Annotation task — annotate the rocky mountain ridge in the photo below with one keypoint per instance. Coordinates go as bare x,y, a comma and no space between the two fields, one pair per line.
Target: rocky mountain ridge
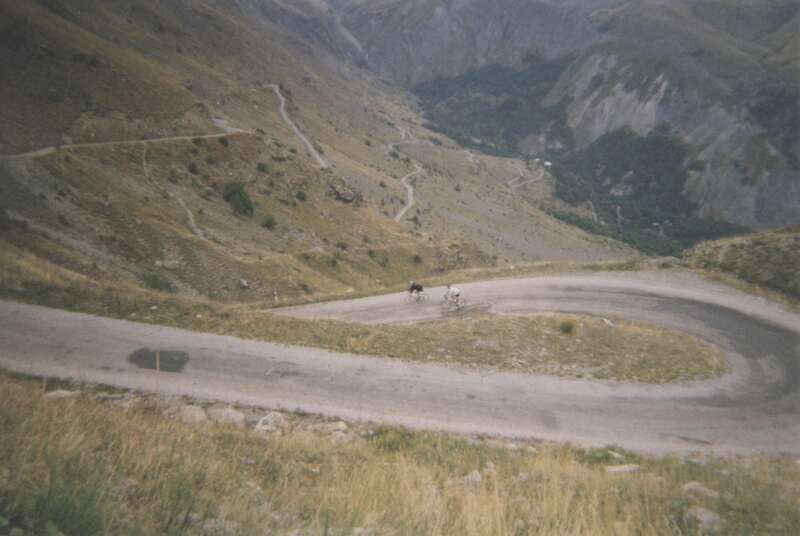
722,75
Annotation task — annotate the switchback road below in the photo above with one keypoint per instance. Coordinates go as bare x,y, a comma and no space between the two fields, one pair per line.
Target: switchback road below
755,408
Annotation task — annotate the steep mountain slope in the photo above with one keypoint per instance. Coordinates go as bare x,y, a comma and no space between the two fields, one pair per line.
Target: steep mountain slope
549,78
144,145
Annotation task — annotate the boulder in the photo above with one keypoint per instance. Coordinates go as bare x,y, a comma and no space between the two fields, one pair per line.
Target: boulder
474,478
192,414
342,192
227,416
271,423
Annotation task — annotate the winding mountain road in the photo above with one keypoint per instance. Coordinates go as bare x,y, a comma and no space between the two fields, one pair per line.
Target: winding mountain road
50,150
288,120
755,408
407,139
409,191
517,182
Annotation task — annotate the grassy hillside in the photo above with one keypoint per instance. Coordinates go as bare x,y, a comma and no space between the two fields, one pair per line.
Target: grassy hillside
114,462
242,216
770,259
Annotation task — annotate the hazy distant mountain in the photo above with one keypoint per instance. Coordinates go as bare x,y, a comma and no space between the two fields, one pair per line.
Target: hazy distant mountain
552,77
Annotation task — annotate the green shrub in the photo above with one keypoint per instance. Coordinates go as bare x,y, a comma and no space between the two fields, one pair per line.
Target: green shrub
269,222
567,327
385,439
236,195
158,282
417,259
173,177
380,258
262,167
300,195
193,169
224,141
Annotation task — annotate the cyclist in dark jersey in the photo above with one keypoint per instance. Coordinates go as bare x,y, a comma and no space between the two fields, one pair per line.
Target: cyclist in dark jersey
415,288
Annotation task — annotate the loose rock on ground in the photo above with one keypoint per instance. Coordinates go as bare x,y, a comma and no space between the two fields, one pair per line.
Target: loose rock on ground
227,416
706,520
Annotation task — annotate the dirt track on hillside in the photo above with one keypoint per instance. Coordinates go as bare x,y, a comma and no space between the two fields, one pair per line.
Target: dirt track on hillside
756,408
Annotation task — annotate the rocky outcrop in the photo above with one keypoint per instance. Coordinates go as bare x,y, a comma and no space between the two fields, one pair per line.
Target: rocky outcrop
342,192
412,42
739,174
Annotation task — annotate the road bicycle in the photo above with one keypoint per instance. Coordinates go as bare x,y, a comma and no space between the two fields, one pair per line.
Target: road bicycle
416,297
453,302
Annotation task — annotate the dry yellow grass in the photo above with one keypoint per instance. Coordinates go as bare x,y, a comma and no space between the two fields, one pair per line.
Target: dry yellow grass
566,345
86,467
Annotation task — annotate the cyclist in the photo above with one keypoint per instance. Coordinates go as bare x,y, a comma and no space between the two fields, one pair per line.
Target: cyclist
452,295
415,289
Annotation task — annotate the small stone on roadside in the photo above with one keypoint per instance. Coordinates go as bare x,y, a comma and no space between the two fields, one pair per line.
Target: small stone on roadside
61,394
192,415
616,469
227,416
